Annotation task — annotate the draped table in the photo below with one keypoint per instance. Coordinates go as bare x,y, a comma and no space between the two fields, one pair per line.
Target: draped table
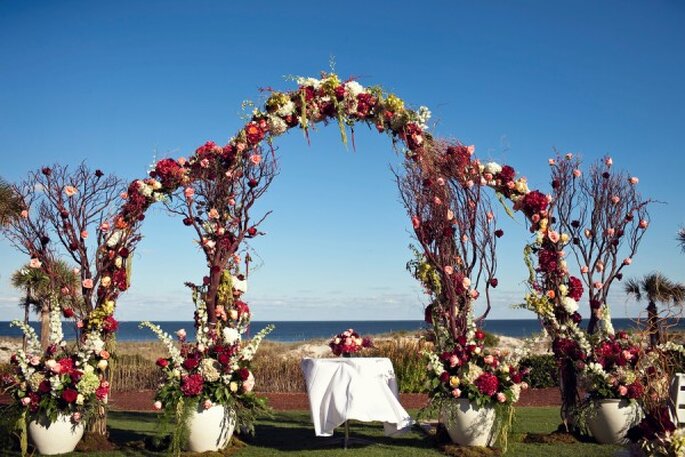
363,389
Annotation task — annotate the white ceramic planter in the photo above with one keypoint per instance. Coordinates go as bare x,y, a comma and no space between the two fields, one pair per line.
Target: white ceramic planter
57,437
610,421
210,429
469,424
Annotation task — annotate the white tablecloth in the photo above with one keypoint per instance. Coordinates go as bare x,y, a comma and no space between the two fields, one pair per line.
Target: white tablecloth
364,389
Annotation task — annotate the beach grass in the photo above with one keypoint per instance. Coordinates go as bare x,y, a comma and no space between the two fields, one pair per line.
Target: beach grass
292,433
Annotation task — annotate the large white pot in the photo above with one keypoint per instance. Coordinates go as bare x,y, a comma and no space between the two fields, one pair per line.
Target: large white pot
57,437
468,424
210,429
611,419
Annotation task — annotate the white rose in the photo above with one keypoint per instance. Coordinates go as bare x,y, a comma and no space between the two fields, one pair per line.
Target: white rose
102,365
354,89
239,285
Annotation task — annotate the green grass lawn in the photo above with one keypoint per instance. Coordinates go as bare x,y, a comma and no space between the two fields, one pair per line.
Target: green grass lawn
292,434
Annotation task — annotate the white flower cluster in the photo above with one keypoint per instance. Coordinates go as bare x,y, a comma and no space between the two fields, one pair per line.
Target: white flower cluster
32,342
434,363
423,114
250,349
596,369
670,346
166,339
55,325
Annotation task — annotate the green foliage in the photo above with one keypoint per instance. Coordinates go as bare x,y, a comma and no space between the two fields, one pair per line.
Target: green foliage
491,340
543,371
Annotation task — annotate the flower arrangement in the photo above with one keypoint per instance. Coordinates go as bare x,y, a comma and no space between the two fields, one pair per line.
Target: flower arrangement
349,342
613,369
658,436
476,373
214,369
62,380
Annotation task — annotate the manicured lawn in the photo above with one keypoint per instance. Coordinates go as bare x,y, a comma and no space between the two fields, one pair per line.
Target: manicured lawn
292,434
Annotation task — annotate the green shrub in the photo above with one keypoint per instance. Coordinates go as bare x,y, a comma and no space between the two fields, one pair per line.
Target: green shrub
543,371
491,340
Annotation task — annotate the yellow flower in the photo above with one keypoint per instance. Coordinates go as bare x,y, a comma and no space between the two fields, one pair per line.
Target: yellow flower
454,381
394,103
233,386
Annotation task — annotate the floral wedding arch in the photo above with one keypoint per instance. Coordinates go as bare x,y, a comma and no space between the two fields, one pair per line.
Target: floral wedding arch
443,188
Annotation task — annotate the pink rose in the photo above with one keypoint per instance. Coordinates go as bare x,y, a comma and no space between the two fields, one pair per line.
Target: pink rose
24,213
466,282
608,161
553,236
35,263
622,391
213,213
633,180
448,269
643,224
441,181
70,191
255,159
489,359
188,192
84,234
26,401
454,361
552,162
157,405
597,285
249,383
577,173
501,397
627,261
181,334
584,269
104,227
456,393
207,404
615,199
204,163
87,283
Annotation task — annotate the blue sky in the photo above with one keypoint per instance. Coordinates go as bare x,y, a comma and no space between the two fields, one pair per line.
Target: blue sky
117,83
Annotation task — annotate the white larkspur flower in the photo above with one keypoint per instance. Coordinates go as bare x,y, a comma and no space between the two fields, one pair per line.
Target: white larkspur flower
422,116
308,82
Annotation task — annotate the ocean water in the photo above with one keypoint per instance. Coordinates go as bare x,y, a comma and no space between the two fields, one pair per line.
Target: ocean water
291,331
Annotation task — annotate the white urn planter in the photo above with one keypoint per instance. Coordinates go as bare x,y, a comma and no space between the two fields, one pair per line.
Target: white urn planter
210,429
612,418
468,424
57,437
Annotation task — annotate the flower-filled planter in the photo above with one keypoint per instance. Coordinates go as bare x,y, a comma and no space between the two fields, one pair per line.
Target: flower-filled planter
57,436
610,419
348,342
210,429
469,424
473,390
59,388
614,379
207,387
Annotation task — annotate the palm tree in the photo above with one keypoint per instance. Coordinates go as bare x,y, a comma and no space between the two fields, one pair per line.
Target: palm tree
40,291
656,288
681,238
10,204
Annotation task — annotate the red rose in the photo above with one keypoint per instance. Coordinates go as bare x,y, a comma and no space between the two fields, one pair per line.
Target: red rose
44,387
102,392
243,374
444,376
253,133
487,384
635,390
68,312
480,335
67,366
190,363
192,385
162,363
169,172
69,395
548,260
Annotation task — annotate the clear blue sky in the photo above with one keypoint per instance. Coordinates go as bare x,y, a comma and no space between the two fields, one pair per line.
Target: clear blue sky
115,82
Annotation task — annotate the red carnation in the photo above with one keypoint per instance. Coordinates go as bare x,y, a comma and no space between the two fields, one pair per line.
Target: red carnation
69,395
192,385
575,288
67,366
110,325
534,202
365,103
162,363
169,172
487,384
224,358
507,174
